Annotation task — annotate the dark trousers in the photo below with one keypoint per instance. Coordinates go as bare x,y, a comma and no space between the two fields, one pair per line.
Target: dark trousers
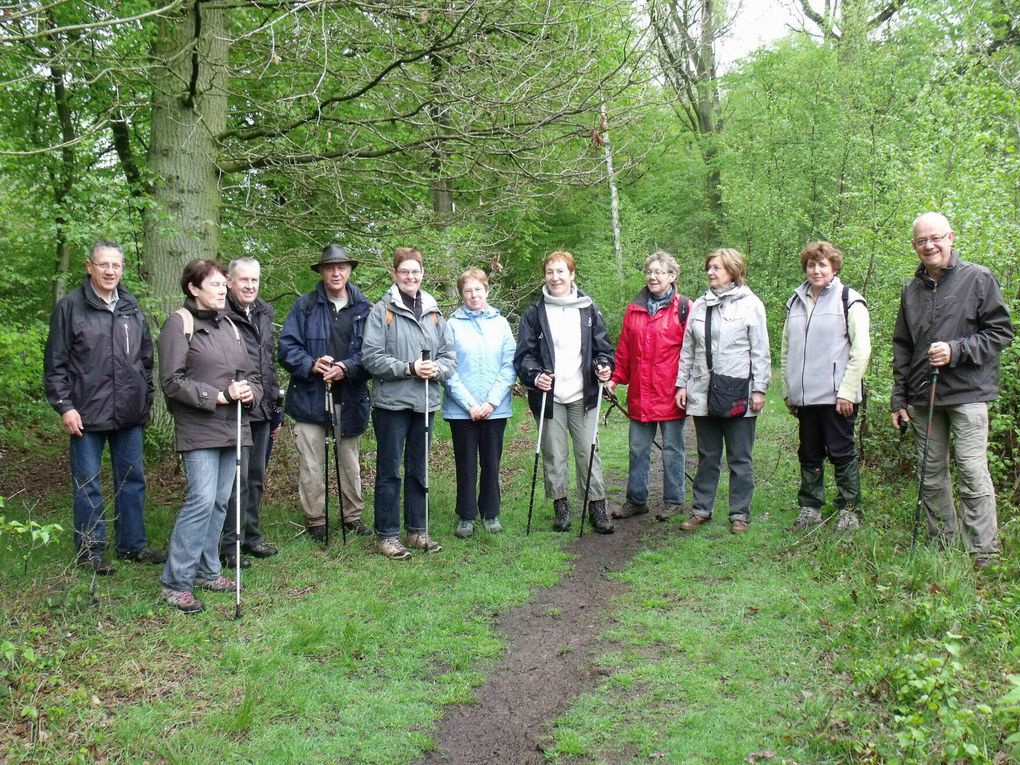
737,434
477,445
253,476
825,433
400,436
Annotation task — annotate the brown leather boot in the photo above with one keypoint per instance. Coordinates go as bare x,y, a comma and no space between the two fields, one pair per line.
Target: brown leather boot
693,521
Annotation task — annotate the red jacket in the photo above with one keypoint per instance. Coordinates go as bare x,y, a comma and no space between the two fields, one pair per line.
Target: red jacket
647,359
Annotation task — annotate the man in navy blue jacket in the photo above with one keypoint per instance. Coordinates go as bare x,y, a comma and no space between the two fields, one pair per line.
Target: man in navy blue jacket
321,343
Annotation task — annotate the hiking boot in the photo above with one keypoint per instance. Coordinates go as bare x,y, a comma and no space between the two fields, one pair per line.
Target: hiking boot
809,517
464,529
98,566
492,525
738,527
693,521
985,560
630,509
219,584
392,548
419,540
358,528
599,518
848,521
318,533
182,601
229,560
562,510
145,555
668,511
260,550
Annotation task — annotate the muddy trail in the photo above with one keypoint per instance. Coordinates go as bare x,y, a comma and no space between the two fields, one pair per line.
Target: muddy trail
551,644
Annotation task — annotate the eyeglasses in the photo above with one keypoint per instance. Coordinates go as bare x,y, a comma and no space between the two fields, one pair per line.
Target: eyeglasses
921,241
406,272
108,266
656,273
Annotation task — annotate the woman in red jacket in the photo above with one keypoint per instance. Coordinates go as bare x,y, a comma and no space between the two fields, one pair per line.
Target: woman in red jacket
647,358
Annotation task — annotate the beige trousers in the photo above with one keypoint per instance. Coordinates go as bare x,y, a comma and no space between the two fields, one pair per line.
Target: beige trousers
310,439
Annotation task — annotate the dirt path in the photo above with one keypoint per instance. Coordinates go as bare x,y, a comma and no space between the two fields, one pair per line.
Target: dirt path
551,642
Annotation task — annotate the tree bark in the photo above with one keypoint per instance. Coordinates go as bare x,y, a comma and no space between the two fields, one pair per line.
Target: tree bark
189,109
63,182
614,196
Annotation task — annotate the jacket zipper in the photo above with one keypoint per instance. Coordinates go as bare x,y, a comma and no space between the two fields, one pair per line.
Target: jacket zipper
127,341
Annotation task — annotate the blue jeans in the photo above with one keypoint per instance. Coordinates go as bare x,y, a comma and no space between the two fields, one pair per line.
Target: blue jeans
737,433
195,541
400,435
673,460
86,455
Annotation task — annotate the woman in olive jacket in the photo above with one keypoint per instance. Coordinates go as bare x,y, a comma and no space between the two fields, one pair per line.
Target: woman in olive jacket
204,370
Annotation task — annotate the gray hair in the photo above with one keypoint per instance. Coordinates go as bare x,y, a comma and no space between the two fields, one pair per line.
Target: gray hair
245,261
104,244
667,260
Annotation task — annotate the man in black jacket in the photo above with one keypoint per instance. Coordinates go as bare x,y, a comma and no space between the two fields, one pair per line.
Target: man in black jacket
952,320
254,319
98,376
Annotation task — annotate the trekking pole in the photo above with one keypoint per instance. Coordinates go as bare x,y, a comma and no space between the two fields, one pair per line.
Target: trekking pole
336,421
426,354
932,380
238,376
538,450
591,458
328,405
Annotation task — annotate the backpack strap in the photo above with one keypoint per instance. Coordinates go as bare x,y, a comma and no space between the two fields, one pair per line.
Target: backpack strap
434,315
188,321
846,307
684,309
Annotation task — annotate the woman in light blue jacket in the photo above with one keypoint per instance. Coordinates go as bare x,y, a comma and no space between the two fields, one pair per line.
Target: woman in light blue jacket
477,401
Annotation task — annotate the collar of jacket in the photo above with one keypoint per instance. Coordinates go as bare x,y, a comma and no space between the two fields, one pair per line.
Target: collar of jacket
428,303
235,311
126,302
922,273
463,312
203,313
736,293
804,289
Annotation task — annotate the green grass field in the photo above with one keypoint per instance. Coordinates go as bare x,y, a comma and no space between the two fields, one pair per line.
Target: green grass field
764,648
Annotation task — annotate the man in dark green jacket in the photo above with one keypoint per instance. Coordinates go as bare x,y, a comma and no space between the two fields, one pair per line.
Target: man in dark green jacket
953,321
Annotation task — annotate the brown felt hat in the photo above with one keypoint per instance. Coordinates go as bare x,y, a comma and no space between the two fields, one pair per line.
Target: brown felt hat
333,254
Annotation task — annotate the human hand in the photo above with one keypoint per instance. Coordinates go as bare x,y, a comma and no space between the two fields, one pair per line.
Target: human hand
844,407
939,354
681,398
757,401
322,365
900,419
337,371
426,369
603,372
72,422
610,387
544,381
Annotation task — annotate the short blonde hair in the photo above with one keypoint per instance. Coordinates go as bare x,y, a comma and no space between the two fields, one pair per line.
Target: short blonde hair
667,260
472,273
733,261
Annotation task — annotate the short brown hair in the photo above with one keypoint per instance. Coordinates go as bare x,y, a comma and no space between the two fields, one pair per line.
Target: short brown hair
733,261
197,271
402,254
563,255
472,273
821,251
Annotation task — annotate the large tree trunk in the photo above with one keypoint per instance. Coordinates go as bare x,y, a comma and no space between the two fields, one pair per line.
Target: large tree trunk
189,111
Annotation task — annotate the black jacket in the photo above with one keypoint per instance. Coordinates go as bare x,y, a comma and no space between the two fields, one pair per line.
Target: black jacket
965,309
535,353
99,362
256,328
308,334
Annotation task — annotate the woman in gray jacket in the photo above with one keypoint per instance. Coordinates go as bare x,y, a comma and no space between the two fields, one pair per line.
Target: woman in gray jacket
200,355
401,327
740,348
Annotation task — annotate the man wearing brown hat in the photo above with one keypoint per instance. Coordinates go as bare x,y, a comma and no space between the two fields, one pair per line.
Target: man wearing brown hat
321,343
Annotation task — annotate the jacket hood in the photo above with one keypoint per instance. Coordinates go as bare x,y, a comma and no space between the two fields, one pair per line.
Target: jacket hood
463,312
737,293
428,303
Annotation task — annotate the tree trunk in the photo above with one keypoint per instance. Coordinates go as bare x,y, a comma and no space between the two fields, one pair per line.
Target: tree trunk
189,111
63,182
614,196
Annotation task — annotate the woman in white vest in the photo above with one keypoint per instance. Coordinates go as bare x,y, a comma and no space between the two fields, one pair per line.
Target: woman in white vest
826,347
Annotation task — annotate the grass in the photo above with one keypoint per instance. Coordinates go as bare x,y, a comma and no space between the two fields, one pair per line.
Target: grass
722,649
